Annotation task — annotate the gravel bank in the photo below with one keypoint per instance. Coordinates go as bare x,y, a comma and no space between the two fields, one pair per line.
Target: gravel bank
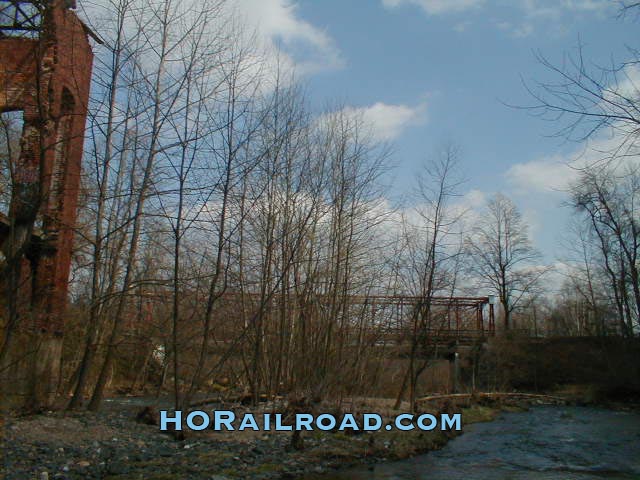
112,445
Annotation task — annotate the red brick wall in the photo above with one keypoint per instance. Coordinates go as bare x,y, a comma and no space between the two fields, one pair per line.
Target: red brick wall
33,76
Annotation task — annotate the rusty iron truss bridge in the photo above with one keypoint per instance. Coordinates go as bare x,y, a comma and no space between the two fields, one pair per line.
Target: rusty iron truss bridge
385,319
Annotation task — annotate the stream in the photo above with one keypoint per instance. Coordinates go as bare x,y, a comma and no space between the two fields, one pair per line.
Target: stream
545,443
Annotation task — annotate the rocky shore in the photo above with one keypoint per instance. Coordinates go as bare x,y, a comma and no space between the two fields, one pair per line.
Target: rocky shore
112,445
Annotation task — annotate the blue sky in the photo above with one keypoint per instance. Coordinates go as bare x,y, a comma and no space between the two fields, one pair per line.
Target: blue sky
431,71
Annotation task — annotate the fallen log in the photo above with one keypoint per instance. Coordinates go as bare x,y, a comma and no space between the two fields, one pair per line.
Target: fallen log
490,395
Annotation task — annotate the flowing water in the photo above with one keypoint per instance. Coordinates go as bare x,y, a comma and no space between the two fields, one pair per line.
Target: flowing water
545,443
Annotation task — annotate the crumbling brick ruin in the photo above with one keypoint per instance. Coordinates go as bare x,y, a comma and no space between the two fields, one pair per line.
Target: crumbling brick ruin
45,70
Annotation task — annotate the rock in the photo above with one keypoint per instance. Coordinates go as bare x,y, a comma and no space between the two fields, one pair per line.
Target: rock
148,415
117,468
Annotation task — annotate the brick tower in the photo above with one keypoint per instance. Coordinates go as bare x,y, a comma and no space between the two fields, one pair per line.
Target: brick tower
45,72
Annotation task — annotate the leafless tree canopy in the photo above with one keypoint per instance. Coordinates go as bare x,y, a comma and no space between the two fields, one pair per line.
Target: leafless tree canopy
230,238
502,255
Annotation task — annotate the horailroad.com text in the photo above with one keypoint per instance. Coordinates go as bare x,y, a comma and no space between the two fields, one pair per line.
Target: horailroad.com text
226,420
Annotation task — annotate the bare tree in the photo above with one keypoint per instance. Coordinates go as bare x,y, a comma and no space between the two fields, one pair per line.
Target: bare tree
432,246
105,132
588,280
629,8
164,84
585,99
501,254
606,196
10,132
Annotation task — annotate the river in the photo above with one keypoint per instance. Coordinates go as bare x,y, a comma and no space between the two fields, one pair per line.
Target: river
545,443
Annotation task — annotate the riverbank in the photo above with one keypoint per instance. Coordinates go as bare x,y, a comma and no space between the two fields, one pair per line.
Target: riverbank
112,445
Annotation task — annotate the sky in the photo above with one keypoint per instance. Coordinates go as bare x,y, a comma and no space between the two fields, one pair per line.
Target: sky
428,72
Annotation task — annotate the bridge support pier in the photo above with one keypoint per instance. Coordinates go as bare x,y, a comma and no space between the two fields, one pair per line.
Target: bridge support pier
455,372
45,73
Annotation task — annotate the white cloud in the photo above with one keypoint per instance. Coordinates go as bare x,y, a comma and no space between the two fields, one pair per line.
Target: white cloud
556,276
277,23
470,207
474,199
620,144
382,121
462,26
523,30
532,8
271,33
388,122
533,220
435,7
542,175
517,30
627,86
557,172
556,11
